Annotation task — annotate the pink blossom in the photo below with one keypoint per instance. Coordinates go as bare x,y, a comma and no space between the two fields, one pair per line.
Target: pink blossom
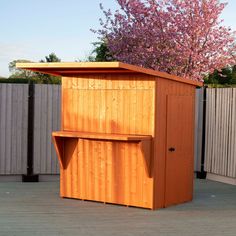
181,37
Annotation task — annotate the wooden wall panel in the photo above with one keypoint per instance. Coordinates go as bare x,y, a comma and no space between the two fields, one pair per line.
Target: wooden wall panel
13,128
164,88
115,105
109,106
179,162
47,118
108,171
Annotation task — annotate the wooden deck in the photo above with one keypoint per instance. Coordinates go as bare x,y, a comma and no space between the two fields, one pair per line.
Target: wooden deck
36,209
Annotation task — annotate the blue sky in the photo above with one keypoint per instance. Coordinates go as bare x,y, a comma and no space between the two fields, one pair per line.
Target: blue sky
31,29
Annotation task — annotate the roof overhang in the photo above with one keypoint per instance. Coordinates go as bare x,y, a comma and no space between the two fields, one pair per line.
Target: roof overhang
73,69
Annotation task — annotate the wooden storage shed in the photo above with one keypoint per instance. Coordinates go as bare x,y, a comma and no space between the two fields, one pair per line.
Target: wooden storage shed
127,133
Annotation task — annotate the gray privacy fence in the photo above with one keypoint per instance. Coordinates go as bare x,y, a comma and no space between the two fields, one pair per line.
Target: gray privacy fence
220,142
13,128
219,145
46,119
14,111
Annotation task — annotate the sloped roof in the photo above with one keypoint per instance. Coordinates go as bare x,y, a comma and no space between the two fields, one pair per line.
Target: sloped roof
72,69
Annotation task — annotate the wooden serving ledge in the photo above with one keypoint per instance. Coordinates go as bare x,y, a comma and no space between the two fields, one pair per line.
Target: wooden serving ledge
144,142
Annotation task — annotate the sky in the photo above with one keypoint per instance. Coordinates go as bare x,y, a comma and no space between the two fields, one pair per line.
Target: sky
32,29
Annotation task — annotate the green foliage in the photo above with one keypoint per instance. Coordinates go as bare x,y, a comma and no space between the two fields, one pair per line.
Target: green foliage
100,53
233,77
224,78
49,79
15,80
19,73
52,57
221,85
36,77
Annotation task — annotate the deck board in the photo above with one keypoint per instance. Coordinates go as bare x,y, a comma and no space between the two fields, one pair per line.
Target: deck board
36,209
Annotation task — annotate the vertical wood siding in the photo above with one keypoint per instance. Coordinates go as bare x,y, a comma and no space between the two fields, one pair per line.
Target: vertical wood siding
46,119
108,171
164,88
220,149
13,128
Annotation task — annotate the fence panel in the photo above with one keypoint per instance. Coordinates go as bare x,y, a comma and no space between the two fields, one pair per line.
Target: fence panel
46,119
14,122
220,150
13,128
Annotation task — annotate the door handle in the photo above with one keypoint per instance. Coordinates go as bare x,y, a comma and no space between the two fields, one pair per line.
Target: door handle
171,149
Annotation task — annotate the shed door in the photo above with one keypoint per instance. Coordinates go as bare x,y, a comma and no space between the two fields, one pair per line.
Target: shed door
179,149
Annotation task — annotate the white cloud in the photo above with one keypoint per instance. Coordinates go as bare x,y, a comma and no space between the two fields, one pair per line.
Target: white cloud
68,49
10,52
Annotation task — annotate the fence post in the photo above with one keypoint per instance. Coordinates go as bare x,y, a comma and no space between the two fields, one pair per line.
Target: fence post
202,174
30,177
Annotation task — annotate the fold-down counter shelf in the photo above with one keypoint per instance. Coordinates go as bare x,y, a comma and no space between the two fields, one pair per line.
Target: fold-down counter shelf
127,133
101,136
143,141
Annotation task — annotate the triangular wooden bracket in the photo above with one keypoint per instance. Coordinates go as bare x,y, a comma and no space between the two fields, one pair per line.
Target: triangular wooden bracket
61,137
145,147
59,143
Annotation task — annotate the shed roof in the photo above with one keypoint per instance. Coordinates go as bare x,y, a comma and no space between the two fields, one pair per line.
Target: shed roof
72,69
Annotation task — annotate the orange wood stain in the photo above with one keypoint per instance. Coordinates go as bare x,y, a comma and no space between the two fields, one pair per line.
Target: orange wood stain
118,123
164,89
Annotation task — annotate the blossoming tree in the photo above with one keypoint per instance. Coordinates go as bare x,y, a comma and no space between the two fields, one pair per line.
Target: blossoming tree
182,37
